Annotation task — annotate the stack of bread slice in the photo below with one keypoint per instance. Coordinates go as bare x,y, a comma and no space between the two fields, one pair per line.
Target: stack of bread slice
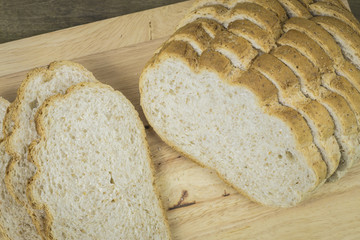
265,92
75,162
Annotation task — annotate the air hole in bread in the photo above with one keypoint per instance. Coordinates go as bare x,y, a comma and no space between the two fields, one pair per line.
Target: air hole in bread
111,178
290,155
108,116
34,104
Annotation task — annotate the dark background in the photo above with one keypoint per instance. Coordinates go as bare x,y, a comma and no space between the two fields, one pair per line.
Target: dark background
25,18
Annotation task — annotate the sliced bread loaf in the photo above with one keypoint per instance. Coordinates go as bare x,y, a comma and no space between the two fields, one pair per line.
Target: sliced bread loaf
260,147
40,84
15,222
195,97
94,176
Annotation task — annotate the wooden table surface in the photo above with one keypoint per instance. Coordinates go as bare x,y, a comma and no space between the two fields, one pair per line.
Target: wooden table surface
198,204
25,18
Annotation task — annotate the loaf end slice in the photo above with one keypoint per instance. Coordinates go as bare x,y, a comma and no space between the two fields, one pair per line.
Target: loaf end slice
95,177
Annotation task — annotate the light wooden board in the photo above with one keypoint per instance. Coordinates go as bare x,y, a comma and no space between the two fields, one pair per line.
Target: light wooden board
199,205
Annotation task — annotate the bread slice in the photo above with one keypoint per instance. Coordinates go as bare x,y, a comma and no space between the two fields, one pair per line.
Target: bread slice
295,9
344,116
256,13
318,34
233,125
4,104
325,9
344,35
316,115
308,48
95,177
310,79
343,67
15,222
39,85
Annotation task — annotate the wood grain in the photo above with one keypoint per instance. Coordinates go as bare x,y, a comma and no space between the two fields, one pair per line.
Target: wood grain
91,38
199,205
26,18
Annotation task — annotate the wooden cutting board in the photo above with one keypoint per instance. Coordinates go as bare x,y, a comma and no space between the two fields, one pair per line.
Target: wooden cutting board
198,204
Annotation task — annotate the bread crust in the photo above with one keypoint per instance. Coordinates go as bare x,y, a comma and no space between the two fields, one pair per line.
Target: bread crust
317,33
258,14
344,33
271,5
295,8
309,48
325,9
251,31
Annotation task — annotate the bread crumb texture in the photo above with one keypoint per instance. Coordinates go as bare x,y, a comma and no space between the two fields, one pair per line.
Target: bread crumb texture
94,173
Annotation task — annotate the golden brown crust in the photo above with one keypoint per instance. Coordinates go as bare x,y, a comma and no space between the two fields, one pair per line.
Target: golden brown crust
330,10
214,12
257,14
313,83
193,33
179,48
342,31
252,32
347,91
309,75
311,78
274,6
308,48
271,5
215,61
337,3
318,34
239,47
295,8
351,73
281,75
289,88
304,137
342,110
266,92
306,3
